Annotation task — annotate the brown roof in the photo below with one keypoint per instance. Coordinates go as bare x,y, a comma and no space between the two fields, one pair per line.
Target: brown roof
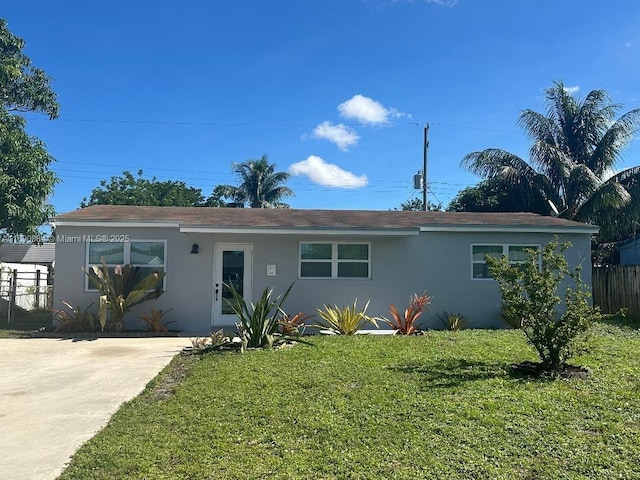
311,219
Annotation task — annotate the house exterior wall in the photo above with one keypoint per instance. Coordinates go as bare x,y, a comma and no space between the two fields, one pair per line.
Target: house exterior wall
436,262
630,252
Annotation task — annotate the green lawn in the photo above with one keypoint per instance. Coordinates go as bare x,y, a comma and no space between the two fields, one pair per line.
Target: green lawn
437,406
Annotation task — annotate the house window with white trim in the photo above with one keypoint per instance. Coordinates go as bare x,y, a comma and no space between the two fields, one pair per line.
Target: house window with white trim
147,255
516,254
334,260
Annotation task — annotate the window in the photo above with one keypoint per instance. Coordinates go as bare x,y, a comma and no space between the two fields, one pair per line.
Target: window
334,260
148,255
515,253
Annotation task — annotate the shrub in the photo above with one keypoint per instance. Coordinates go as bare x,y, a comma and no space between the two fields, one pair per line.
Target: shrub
530,299
121,290
405,324
154,323
258,323
293,325
346,320
212,342
453,321
75,319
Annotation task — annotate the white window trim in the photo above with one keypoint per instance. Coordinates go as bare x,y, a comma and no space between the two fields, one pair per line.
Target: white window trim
127,258
333,260
505,252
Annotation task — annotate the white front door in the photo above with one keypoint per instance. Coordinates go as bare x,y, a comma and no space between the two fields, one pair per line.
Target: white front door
232,266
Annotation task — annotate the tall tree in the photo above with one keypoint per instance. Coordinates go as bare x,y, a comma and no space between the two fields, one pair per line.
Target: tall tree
260,185
416,205
575,149
494,195
25,179
129,190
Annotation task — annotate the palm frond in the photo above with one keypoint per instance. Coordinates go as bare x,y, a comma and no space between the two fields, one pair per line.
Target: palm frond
581,184
537,127
607,152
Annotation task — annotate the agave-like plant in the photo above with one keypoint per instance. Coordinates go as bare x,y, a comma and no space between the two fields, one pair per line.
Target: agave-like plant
346,320
121,290
214,341
406,324
258,323
453,321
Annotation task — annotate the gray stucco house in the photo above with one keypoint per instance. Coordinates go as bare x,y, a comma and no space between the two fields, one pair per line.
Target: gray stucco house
334,256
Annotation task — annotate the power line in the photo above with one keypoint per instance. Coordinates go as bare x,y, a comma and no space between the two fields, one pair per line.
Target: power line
264,124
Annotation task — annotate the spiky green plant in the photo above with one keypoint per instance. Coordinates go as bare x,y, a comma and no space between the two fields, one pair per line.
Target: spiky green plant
453,321
258,323
346,320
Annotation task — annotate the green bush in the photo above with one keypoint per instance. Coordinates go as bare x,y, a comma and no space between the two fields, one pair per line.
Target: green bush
531,301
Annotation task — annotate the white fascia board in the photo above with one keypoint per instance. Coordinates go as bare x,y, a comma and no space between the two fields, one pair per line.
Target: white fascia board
507,229
301,231
93,223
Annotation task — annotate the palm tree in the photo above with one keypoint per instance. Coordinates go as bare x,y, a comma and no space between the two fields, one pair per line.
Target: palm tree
260,185
575,149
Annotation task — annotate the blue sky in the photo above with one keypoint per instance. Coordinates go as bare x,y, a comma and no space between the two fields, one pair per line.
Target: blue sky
335,91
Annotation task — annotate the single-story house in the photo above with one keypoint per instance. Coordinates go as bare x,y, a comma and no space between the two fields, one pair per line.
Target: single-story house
630,251
333,256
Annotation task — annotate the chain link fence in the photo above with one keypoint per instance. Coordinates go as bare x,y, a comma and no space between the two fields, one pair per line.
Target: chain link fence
25,295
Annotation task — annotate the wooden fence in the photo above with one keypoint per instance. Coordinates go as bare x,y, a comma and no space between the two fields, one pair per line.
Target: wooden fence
617,287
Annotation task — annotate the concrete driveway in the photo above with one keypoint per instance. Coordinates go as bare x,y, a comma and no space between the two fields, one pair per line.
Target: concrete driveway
56,394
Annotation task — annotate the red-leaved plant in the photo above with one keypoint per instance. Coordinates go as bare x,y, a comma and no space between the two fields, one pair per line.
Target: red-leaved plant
406,324
293,325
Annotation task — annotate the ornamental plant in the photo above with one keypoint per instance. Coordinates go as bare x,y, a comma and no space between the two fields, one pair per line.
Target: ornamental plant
405,323
258,323
74,319
346,320
531,301
121,290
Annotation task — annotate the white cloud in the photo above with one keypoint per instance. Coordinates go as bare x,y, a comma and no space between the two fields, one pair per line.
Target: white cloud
572,90
327,174
343,136
367,110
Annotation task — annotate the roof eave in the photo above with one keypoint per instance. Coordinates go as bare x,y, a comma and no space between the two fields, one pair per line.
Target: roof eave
590,229
388,232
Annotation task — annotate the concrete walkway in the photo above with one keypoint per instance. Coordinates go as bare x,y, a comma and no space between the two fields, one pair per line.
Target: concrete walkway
56,394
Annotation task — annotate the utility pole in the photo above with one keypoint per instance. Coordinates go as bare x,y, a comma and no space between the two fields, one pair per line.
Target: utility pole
424,168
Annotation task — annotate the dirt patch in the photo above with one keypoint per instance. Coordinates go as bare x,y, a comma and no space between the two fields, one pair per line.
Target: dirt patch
172,377
535,369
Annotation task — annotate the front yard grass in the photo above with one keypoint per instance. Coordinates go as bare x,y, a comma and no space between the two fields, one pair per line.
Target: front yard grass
437,406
